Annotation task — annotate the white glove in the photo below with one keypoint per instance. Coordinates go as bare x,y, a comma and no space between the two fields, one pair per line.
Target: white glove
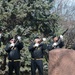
44,39
61,37
36,45
55,44
19,38
0,35
12,45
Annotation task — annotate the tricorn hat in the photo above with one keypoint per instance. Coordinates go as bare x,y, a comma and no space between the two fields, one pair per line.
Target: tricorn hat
53,36
36,37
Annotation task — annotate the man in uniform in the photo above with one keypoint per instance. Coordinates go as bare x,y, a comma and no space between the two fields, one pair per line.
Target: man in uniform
1,36
37,50
57,42
13,50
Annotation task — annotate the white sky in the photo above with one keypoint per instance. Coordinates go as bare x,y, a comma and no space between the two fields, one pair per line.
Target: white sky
68,2
63,7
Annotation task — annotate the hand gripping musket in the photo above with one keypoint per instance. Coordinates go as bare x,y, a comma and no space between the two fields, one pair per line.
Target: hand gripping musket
60,38
26,30
42,40
63,33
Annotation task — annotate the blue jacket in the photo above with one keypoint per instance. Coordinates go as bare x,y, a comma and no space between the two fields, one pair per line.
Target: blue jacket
60,45
14,53
37,52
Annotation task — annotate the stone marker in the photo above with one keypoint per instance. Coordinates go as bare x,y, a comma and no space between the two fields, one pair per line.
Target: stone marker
61,62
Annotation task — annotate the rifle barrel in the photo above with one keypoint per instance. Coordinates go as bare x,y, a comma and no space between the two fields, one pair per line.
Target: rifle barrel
64,31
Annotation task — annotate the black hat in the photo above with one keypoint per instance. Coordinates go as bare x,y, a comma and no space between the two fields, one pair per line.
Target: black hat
53,36
36,37
0,29
10,38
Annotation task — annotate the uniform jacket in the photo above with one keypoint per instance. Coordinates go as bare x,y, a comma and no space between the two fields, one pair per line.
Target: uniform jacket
14,53
37,52
59,45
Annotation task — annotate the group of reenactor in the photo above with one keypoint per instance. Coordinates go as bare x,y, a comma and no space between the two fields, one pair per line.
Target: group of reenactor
36,48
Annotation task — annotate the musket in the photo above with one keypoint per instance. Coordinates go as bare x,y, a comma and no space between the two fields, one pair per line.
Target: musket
59,38
65,31
60,34
26,31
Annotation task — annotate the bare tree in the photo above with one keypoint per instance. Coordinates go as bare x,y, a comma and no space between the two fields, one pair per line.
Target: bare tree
66,10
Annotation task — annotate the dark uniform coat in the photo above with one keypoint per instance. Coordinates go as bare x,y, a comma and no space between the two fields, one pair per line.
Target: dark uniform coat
14,54
36,58
59,45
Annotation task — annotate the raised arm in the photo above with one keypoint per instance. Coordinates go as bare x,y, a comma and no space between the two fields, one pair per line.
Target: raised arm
8,48
31,47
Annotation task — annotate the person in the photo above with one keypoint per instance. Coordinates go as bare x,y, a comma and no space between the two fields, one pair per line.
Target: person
37,51
73,46
13,49
58,42
1,37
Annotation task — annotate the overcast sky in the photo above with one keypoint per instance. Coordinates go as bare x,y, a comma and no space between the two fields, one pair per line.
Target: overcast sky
67,2
65,7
